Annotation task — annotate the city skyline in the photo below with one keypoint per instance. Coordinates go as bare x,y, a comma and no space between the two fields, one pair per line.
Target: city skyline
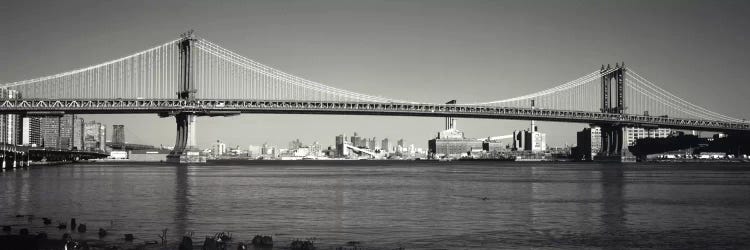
677,45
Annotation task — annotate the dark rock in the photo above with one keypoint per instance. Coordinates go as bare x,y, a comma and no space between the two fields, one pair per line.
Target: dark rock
82,228
186,243
77,245
262,241
151,242
102,232
19,215
47,221
66,236
129,237
41,236
23,232
353,243
241,246
62,226
6,229
72,224
302,245
267,241
223,237
212,244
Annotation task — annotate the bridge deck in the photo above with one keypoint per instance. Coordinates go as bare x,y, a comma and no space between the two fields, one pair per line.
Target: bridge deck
222,107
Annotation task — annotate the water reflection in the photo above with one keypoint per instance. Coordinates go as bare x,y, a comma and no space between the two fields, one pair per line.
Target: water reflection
22,191
182,200
613,205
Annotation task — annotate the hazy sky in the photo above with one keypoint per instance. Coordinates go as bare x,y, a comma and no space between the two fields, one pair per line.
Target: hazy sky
429,51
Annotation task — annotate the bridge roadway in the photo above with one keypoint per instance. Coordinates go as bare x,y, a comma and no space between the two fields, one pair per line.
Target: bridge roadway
221,107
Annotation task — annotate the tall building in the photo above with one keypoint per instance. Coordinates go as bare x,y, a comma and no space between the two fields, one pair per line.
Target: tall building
77,134
355,139
218,148
57,132
341,149
400,143
588,143
102,137
373,143
385,145
31,132
10,124
10,128
93,136
118,134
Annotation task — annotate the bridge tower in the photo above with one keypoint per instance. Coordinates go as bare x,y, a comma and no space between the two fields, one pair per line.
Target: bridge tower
618,75
613,141
185,150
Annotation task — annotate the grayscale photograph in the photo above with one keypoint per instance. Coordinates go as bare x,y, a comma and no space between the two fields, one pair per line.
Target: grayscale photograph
374,124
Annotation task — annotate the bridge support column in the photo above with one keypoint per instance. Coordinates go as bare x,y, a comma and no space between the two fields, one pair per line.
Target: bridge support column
25,162
614,145
185,150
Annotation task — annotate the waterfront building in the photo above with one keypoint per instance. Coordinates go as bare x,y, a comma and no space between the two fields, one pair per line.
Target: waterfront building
634,133
118,155
218,148
236,151
92,136
316,149
31,131
589,143
356,141
77,133
295,144
530,140
10,124
57,132
449,143
253,151
118,134
385,145
493,146
341,150
102,138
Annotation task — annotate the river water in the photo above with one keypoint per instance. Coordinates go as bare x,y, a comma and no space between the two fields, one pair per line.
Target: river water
391,204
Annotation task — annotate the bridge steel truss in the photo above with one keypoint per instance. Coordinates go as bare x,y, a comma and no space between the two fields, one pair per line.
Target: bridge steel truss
220,107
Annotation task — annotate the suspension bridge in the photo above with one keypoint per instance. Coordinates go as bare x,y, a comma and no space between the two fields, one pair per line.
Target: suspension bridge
191,76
